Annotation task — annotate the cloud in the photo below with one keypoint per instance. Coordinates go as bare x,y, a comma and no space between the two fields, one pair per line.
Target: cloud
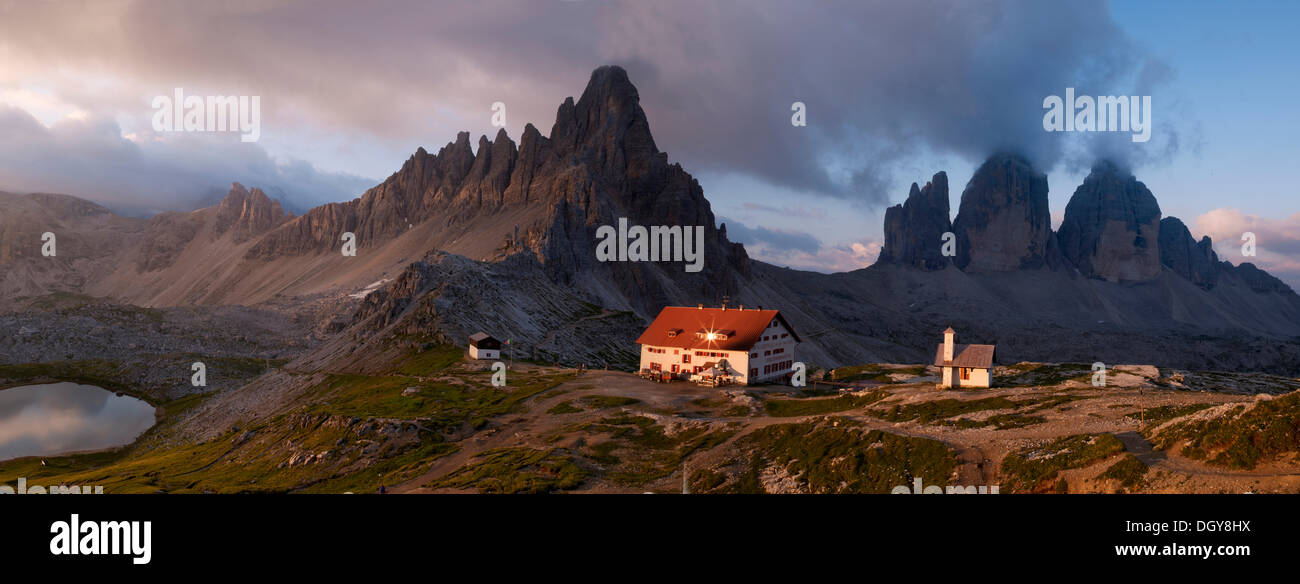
841,257
797,249
774,238
89,157
799,211
883,81
1277,241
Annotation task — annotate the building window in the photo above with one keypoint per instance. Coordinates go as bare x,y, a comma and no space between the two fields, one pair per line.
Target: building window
753,372
686,358
674,368
965,374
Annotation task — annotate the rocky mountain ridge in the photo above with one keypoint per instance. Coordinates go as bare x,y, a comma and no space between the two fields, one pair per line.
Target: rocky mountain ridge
1112,230
521,219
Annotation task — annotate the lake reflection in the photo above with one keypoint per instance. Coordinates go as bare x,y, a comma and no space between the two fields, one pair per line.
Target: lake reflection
43,420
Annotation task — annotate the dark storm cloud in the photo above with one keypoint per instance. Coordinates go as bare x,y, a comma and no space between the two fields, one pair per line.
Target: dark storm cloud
883,81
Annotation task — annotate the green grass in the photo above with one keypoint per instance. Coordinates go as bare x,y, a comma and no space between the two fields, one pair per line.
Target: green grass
834,455
516,470
443,404
1129,471
1000,422
564,408
938,411
386,472
1240,438
421,363
639,451
1159,415
1033,469
931,411
601,402
871,372
787,408
339,431
250,460
737,411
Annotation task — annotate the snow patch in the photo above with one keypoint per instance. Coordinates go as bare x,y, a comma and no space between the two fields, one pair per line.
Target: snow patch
368,289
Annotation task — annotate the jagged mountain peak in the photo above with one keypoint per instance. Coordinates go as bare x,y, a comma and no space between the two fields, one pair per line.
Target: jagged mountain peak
546,196
248,212
606,122
1111,228
1003,222
914,228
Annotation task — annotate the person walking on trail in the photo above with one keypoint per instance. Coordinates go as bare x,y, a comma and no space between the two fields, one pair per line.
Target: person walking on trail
382,490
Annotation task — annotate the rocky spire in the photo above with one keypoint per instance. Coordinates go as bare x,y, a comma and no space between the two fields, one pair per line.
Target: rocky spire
1003,222
914,229
1193,260
1111,228
248,213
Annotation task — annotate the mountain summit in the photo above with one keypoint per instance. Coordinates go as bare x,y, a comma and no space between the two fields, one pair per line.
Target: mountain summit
490,234
1111,228
1003,223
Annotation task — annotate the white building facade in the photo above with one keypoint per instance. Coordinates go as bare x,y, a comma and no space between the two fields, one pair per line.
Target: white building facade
746,346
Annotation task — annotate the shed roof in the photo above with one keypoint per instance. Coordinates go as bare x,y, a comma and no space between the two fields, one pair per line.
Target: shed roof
977,356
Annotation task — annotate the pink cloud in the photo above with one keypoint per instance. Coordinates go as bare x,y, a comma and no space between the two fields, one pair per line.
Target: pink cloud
1277,241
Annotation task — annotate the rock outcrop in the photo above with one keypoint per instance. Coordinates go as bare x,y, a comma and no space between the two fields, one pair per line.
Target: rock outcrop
1258,280
914,229
1111,228
1191,259
247,213
1003,223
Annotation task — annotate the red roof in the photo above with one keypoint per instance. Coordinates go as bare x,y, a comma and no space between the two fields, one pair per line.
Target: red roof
742,327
